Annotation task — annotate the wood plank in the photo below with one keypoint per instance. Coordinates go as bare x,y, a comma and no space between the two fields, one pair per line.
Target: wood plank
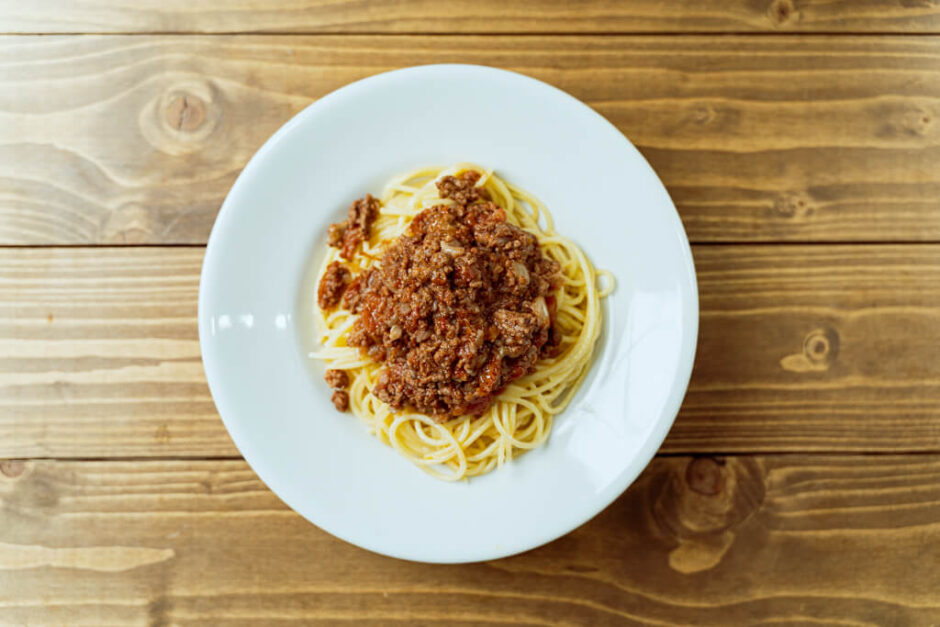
802,348
138,139
101,355
480,16
742,540
815,348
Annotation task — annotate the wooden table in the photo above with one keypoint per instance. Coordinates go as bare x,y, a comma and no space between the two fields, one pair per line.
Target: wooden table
800,140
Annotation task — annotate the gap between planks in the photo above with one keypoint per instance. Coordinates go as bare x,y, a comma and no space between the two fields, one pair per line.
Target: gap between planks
659,454
514,34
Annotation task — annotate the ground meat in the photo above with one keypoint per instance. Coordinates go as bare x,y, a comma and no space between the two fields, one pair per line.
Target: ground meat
462,188
347,235
340,400
334,234
351,296
515,330
332,285
460,306
337,379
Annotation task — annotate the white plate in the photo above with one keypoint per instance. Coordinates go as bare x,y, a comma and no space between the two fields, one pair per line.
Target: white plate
255,303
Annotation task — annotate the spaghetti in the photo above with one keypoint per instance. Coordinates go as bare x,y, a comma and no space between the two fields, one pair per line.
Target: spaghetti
521,416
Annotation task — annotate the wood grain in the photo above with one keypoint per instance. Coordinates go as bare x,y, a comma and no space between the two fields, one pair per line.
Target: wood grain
101,355
138,139
829,349
479,16
802,348
815,348
718,541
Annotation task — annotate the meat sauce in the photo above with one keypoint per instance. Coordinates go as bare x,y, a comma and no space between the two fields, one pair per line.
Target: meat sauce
347,235
460,306
339,381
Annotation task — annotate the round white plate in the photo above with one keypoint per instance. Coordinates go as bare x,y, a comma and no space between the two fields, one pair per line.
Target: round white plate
255,299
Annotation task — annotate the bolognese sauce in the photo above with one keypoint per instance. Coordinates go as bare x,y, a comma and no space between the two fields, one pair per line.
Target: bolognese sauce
347,235
458,307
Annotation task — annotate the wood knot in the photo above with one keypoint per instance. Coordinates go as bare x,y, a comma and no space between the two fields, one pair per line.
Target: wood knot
711,116
817,345
782,12
185,112
899,120
820,348
703,474
794,205
162,434
703,113
12,468
181,118
700,505
130,223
